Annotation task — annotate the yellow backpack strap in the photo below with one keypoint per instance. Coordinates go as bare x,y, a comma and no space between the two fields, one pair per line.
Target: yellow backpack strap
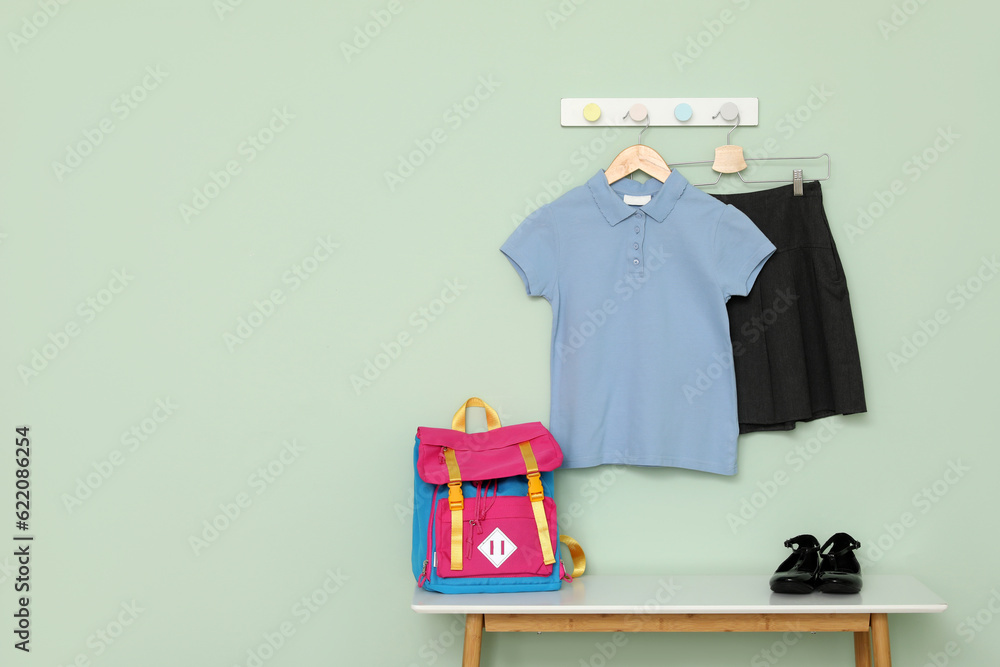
456,501
536,494
576,551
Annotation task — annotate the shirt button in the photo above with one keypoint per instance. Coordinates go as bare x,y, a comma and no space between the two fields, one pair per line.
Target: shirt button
635,245
635,261
637,230
640,214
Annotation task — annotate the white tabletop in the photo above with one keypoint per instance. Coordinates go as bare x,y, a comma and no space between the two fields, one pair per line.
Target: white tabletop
687,594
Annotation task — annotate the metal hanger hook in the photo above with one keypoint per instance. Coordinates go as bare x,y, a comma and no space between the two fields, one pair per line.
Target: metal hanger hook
727,111
732,128
645,127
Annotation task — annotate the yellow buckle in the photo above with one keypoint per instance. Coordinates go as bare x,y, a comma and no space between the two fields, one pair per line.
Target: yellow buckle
456,501
535,492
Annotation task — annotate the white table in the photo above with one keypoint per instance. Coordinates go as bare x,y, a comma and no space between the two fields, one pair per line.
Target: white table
693,603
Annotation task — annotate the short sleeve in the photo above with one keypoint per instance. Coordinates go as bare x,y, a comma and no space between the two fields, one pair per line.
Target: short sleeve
533,252
740,252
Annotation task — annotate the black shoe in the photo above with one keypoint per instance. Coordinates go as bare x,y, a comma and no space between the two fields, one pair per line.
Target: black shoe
839,570
797,574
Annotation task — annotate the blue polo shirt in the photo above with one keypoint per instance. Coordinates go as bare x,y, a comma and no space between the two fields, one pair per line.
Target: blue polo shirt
638,275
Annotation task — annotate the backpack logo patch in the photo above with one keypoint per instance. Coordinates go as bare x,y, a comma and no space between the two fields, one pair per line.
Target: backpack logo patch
497,547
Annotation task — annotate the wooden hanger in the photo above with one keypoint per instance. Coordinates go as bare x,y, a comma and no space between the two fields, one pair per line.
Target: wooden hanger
638,157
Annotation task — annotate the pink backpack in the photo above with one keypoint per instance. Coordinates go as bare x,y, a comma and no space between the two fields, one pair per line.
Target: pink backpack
484,515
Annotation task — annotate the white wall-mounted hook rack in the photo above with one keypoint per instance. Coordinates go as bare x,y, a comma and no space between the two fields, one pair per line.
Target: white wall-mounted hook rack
663,111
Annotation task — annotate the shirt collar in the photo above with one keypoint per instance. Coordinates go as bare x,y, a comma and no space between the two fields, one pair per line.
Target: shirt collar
614,208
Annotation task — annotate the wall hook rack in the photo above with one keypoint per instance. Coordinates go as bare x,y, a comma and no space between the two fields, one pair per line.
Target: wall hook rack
662,111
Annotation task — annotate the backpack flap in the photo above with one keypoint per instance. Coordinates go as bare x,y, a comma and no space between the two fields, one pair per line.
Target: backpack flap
488,455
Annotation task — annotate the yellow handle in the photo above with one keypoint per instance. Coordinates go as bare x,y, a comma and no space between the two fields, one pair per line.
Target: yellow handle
492,418
576,551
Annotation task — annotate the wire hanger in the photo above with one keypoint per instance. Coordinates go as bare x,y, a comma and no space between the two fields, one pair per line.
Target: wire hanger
729,159
638,157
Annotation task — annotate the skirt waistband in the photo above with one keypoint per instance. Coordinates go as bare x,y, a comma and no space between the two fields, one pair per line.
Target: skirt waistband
809,189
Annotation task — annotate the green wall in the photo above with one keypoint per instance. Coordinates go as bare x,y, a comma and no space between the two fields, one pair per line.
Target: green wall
201,247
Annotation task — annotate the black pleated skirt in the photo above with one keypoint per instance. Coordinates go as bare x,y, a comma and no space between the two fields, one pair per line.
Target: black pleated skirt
794,345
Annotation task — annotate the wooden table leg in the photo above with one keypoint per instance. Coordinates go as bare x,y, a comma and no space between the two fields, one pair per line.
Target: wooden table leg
473,640
862,649
880,640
